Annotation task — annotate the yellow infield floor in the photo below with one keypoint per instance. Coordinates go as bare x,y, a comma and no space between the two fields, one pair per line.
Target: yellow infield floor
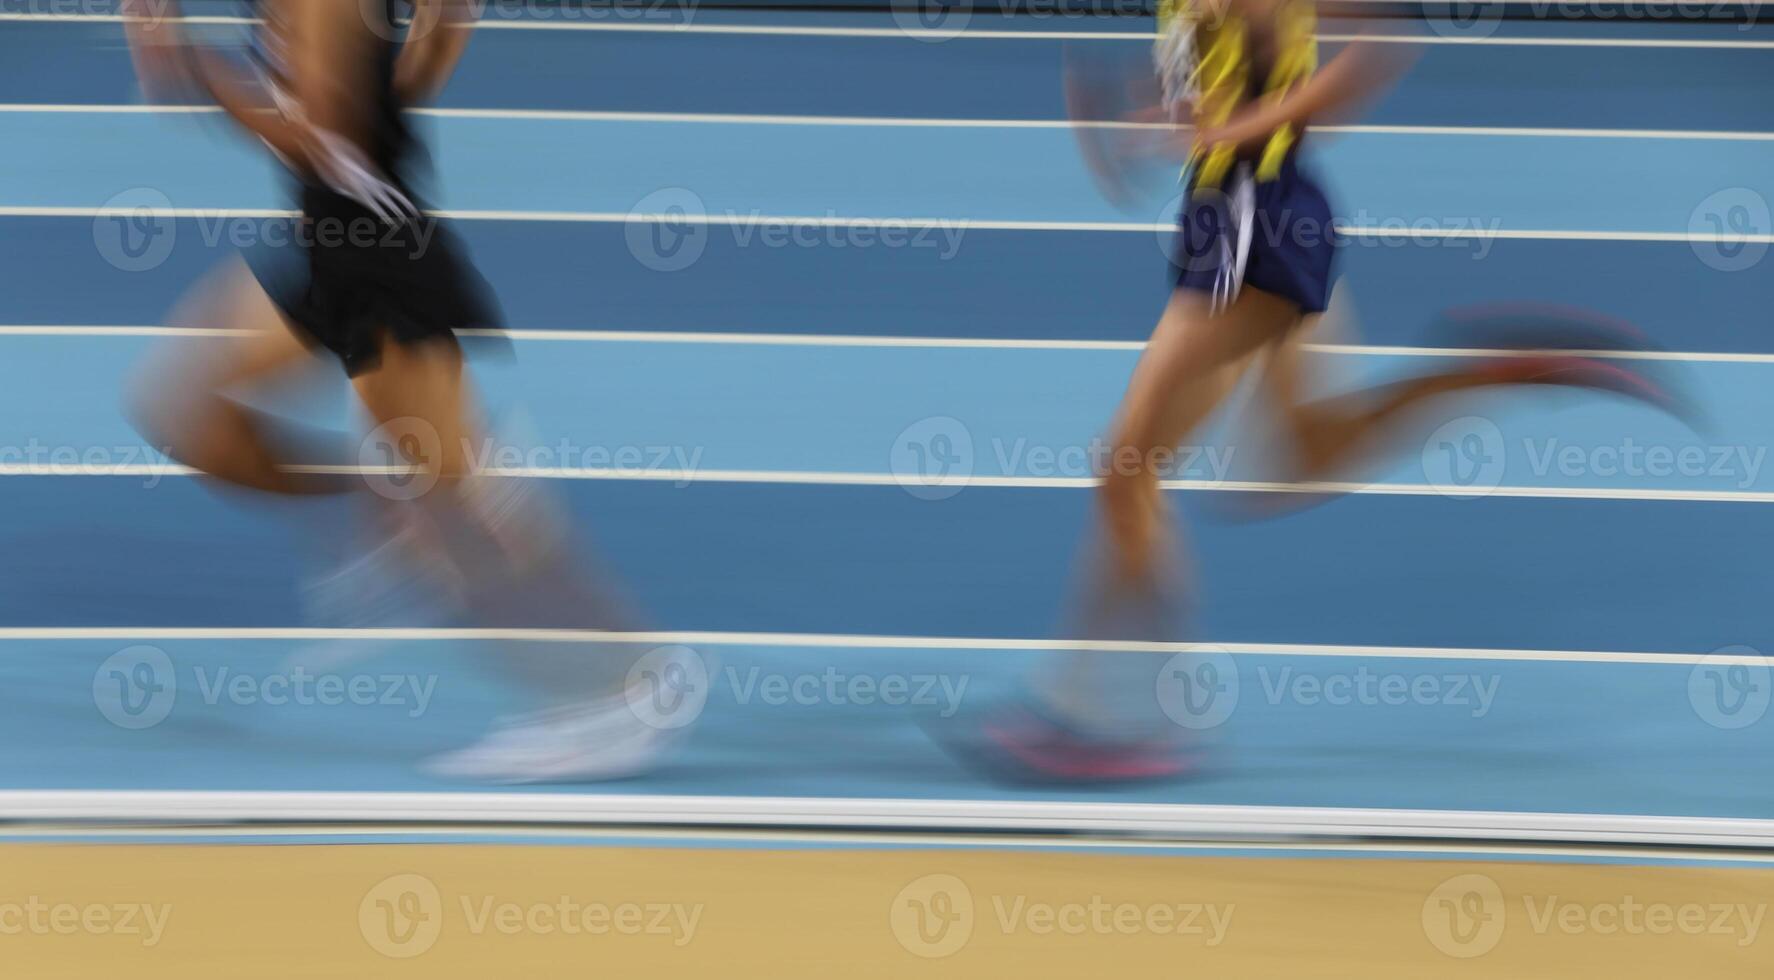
529,911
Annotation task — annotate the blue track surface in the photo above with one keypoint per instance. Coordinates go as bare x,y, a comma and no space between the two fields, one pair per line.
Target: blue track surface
1430,571
1386,181
1653,88
998,284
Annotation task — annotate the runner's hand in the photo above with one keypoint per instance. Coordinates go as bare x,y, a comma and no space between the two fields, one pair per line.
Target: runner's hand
342,166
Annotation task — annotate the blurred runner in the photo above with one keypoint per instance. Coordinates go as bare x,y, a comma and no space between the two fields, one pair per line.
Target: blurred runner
1236,84
369,277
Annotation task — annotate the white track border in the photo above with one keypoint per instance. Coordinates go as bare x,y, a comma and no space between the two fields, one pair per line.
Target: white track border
1145,820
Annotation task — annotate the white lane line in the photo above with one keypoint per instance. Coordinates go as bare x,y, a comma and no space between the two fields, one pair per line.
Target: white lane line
756,119
742,339
661,26
736,219
1554,42
941,35
791,30
110,108
827,478
1174,821
120,331
670,837
88,18
733,219
198,213
1532,132
848,641
908,122
588,115
922,34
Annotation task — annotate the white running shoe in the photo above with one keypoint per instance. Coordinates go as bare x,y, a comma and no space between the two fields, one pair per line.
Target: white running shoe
599,741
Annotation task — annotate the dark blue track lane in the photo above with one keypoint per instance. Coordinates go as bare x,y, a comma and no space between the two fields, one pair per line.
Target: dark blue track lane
1452,85
995,284
1430,571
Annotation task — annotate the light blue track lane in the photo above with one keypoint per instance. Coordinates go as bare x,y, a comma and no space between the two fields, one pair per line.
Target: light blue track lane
1544,86
1550,737
1390,181
1014,413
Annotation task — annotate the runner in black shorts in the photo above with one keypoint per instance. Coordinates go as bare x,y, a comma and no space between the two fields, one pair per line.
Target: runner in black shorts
365,273
379,284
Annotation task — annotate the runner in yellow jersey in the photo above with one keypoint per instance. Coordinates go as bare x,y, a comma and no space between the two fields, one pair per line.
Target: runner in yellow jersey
1254,259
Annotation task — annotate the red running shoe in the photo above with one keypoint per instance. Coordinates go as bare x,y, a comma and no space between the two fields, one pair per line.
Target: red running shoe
1015,743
